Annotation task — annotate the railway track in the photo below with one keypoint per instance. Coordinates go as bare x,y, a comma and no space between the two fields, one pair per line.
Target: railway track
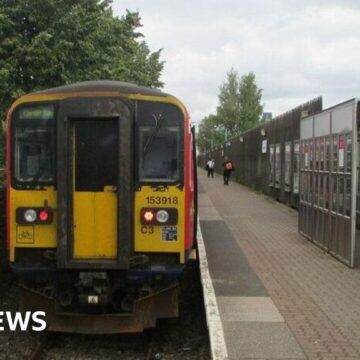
47,340
173,339
44,343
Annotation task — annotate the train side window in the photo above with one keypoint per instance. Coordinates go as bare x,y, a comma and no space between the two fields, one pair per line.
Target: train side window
159,153
33,152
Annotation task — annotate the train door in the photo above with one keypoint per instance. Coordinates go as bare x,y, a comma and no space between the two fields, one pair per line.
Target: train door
95,183
95,173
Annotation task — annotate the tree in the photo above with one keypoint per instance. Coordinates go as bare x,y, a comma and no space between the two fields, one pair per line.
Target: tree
47,43
239,103
228,111
209,134
250,102
239,109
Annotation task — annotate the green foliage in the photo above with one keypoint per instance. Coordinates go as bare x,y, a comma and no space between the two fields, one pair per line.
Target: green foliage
250,102
47,43
239,109
228,111
209,134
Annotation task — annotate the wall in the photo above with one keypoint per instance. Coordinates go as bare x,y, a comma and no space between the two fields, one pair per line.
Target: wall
253,166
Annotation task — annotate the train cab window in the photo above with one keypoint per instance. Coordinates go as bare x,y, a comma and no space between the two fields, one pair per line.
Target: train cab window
33,159
159,153
160,142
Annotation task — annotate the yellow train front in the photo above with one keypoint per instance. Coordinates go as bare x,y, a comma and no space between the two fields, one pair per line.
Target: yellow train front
101,204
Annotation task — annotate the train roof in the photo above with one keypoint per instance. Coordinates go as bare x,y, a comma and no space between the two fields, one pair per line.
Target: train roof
108,87
104,86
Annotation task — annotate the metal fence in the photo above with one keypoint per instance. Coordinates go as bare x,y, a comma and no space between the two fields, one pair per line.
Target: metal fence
266,158
329,210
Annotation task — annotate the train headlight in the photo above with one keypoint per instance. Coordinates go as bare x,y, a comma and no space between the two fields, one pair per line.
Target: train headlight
30,215
162,216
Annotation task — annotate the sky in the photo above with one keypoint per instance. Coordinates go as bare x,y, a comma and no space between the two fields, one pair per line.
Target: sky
298,49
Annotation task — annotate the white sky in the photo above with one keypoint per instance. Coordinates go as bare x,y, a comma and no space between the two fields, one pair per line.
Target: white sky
298,49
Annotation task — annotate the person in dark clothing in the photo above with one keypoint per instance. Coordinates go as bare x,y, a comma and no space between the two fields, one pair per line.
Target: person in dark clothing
228,169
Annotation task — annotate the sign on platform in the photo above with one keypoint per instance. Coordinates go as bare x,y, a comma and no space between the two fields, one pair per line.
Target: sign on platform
264,147
341,152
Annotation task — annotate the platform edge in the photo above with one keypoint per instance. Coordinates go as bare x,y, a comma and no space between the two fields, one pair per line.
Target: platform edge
214,324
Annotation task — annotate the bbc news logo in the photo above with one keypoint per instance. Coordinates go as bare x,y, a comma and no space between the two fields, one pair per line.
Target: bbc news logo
28,320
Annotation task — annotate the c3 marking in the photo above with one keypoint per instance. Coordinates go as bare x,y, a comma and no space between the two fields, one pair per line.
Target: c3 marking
147,229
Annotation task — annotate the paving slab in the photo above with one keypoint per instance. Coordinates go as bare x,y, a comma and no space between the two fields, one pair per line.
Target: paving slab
256,241
256,340
230,271
204,200
248,308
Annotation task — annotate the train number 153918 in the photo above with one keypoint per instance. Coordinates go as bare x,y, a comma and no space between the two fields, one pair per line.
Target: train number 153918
162,200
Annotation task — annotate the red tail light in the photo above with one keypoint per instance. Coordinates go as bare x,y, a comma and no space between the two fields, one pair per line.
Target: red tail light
34,215
159,216
148,216
44,215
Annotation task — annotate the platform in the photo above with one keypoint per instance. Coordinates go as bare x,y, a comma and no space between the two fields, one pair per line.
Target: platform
278,295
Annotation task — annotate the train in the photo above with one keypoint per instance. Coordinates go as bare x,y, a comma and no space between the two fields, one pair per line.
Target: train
101,204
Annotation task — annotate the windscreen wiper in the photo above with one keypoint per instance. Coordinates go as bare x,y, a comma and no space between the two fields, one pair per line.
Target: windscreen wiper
158,123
